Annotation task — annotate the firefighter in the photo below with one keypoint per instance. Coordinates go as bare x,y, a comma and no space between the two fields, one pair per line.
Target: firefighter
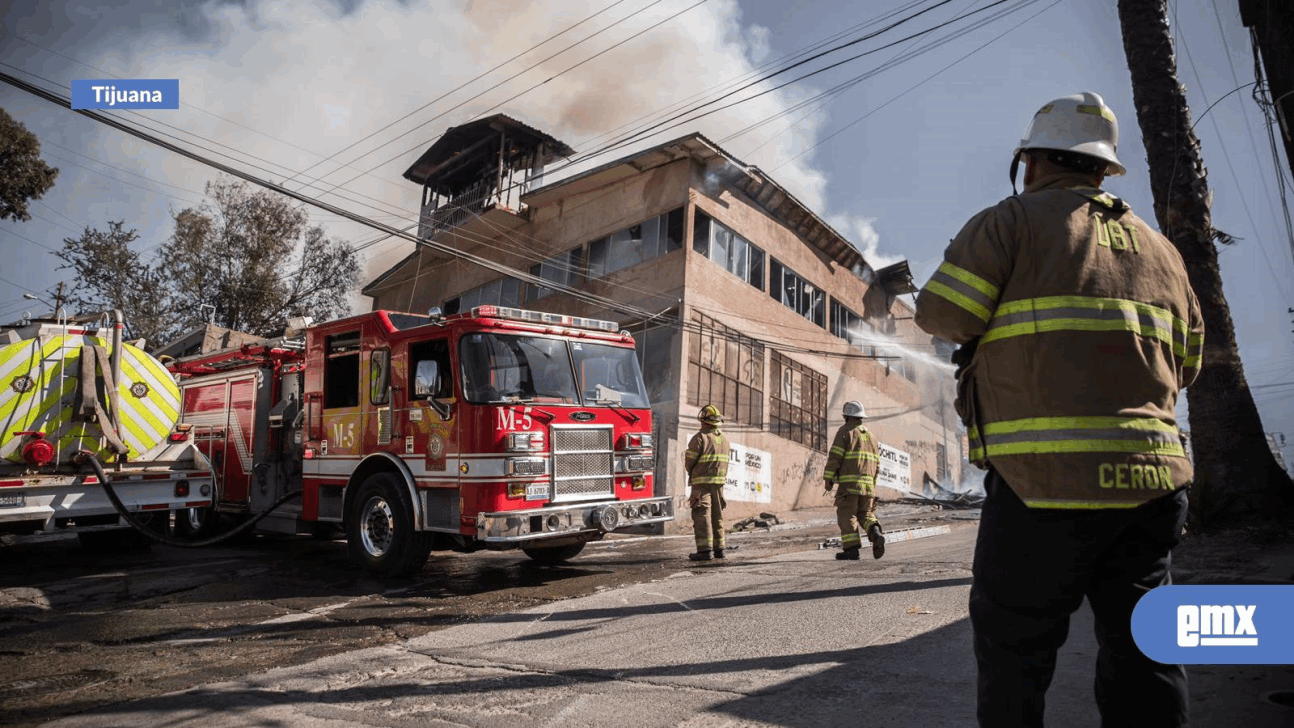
706,462
1078,329
854,462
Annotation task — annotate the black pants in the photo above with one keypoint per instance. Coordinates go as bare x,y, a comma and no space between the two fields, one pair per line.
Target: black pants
1032,569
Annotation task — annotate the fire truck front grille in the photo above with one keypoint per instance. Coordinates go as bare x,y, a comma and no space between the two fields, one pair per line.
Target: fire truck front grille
582,463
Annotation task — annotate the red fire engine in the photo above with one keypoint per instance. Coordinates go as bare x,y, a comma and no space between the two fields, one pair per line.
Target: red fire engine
499,428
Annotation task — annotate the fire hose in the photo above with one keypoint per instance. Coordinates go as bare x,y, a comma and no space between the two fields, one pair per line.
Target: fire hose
84,457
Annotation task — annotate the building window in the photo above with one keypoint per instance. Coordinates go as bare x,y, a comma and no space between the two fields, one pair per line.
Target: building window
725,369
942,473
796,293
851,327
501,292
799,403
566,269
635,244
727,249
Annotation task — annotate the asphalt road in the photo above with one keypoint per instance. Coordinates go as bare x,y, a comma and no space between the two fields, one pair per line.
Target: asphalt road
282,632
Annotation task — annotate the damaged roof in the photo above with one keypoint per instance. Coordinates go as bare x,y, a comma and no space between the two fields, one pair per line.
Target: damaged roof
749,180
463,138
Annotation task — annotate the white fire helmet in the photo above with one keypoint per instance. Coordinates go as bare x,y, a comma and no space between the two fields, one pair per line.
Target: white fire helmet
854,408
1082,124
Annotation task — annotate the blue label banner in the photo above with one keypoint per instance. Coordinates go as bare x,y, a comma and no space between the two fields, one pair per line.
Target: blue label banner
1248,624
134,93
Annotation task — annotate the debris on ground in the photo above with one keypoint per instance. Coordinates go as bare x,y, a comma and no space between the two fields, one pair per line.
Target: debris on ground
951,500
764,520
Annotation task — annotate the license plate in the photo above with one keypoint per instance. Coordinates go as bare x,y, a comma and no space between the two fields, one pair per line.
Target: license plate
17,500
537,491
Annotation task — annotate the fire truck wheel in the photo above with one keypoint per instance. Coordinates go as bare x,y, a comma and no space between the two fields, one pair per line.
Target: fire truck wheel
554,554
379,532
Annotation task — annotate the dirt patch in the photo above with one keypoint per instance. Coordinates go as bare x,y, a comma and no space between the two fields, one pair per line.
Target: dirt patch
1245,555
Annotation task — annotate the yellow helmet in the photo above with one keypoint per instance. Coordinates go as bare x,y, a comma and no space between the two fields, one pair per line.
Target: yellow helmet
709,414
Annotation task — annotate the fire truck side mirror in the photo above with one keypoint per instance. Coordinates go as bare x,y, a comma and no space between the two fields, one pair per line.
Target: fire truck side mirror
426,382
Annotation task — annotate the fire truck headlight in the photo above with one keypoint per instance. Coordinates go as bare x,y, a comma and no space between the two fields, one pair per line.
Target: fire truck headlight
554,522
638,440
526,466
524,441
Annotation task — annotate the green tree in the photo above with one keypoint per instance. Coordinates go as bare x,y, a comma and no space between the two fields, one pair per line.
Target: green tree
110,274
24,175
1236,475
239,254
249,255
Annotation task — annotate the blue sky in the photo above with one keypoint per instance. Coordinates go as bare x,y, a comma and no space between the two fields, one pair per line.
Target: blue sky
896,162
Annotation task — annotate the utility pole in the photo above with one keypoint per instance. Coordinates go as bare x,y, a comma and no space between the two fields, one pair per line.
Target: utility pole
1271,25
58,299
1236,475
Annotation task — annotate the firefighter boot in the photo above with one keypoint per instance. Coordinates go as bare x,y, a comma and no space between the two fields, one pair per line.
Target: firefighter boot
700,555
718,553
877,539
849,554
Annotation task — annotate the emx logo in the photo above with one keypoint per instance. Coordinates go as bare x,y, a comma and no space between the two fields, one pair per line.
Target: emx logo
1216,625
1225,626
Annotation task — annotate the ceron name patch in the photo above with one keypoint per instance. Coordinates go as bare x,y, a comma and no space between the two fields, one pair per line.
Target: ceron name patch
130,93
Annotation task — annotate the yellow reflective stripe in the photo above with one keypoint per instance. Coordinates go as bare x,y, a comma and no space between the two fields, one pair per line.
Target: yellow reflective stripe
961,301
1084,313
1075,504
970,279
837,451
1072,446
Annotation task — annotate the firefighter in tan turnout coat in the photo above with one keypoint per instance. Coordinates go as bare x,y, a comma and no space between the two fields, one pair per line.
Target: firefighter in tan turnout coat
854,462
1078,328
706,462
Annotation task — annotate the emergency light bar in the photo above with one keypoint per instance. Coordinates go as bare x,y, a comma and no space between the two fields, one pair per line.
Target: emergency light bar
540,317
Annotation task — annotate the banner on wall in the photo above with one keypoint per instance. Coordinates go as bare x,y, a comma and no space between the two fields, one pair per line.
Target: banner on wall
750,475
896,469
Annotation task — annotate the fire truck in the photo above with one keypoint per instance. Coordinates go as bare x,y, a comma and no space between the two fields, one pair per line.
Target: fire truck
497,428
72,389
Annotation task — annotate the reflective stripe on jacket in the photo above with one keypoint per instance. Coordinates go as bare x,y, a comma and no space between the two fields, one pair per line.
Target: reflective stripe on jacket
854,460
706,459
1087,327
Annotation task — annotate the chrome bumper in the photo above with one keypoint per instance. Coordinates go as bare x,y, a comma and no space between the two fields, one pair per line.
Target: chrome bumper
514,526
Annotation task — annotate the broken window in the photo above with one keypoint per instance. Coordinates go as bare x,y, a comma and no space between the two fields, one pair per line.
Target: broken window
635,244
565,268
727,249
796,293
504,291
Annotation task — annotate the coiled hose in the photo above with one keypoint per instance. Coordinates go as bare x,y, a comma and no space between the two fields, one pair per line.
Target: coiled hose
86,456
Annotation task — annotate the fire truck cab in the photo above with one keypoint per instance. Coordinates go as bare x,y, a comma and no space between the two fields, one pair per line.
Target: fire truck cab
499,428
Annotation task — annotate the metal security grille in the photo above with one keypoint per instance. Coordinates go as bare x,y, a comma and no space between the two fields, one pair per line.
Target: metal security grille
384,426
582,463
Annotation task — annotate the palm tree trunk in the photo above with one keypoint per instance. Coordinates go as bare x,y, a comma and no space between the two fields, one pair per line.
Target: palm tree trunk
1236,475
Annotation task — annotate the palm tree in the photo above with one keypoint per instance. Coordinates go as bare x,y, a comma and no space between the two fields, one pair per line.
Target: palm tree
1236,475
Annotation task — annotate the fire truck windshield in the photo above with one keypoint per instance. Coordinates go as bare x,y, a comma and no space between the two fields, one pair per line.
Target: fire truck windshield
609,375
500,368
507,368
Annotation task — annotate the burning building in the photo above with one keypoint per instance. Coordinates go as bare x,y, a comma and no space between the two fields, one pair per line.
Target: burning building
750,301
